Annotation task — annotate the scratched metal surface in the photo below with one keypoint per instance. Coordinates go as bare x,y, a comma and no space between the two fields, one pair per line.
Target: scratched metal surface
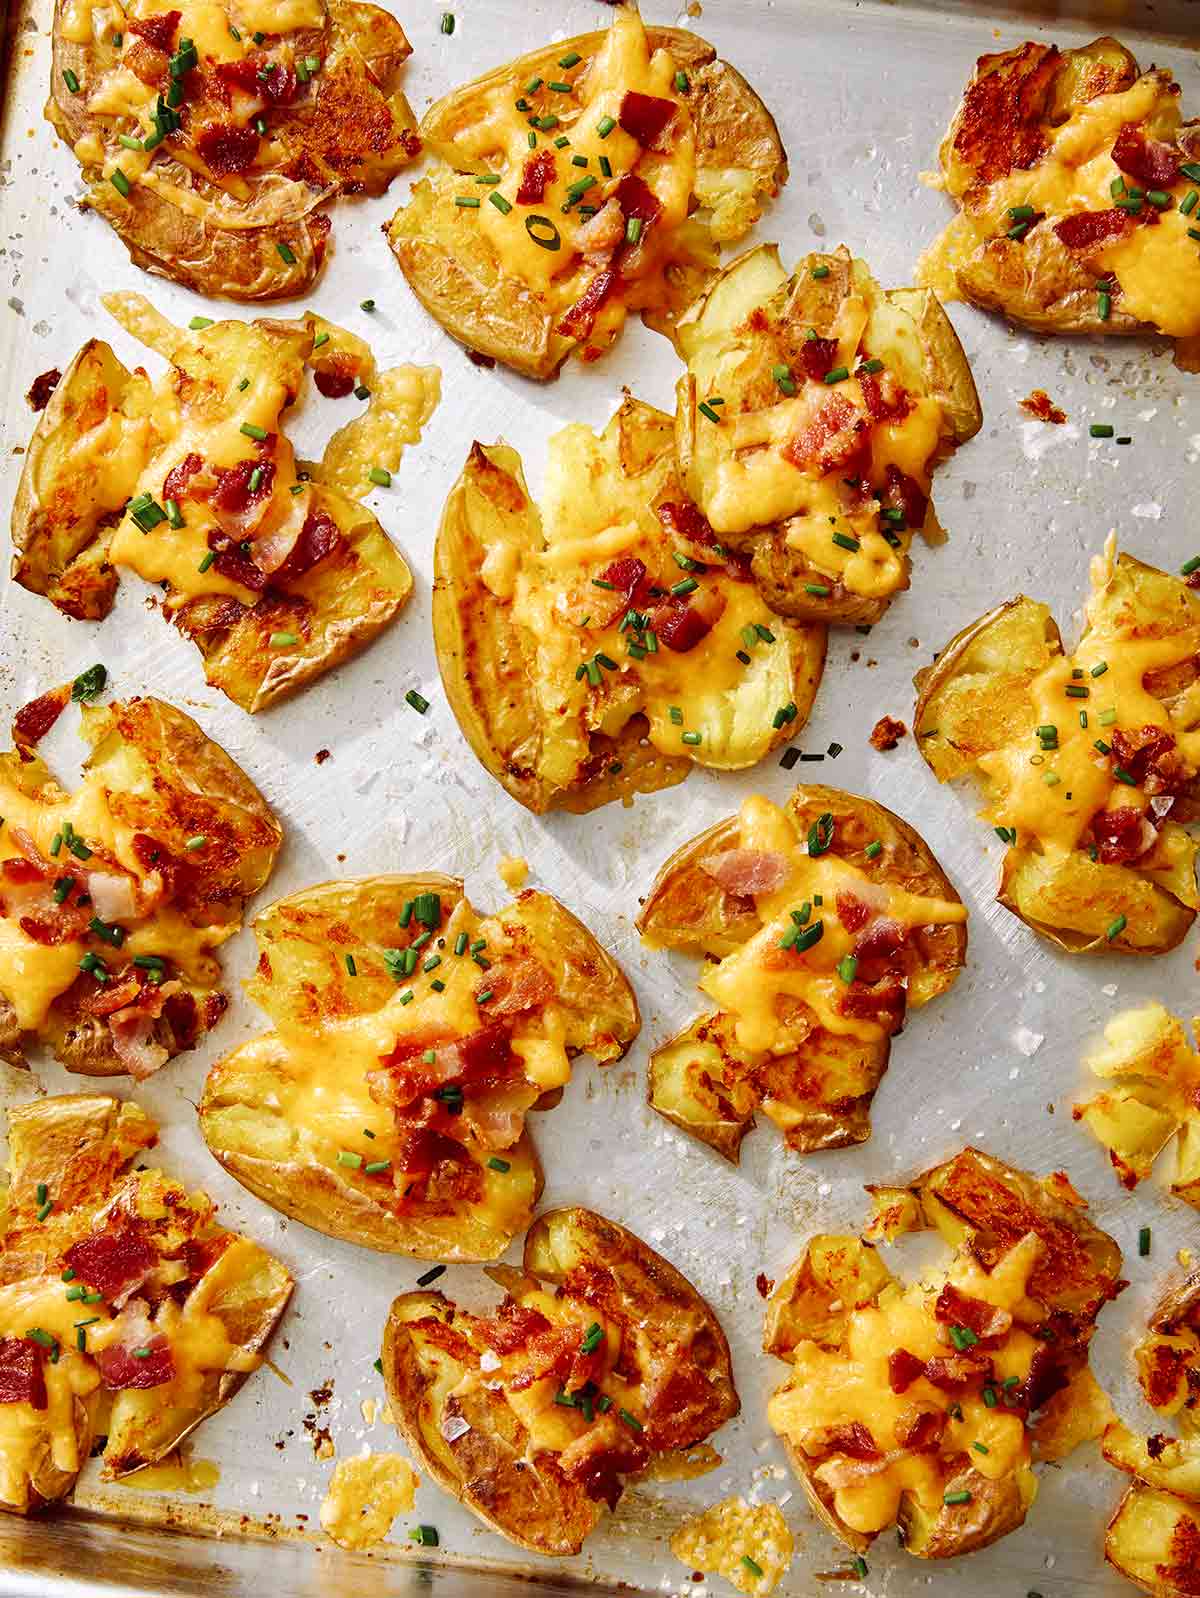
862,93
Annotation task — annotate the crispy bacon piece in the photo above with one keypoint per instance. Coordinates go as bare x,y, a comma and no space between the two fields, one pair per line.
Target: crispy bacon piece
22,1378
1047,1376
536,178
599,1458
975,1314
880,942
1039,404
686,521
41,389
157,31
638,200
854,1440
852,912
480,1058
902,493
745,872
921,1433
644,116
150,1364
577,321
337,378
114,1263
1089,230
1122,835
886,399
887,733
516,989
556,1352
630,579
1000,122
818,356
318,539
1148,161
251,76
830,438
954,1373
113,996
512,1327
683,620
227,148
34,720
234,491
903,1370
231,563
145,62
680,1404
175,483
1142,752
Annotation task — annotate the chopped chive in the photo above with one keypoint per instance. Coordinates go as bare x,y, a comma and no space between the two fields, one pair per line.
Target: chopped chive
497,1164
1116,928
755,1570
482,998
847,967
571,59
1144,1241
783,379
818,590
630,1420
1188,204
686,585
44,1209
1190,169
286,254
425,1535
251,430
605,164
351,967
633,229
1022,213
691,738
377,1167
366,305
557,87
352,1161
706,409
1159,198
605,126
681,82
820,271
839,374
873,850
1106,718
469,202
447,22
283,640
675,714
1101,430
1102,746
380,476
499,202
1124,776
71,81
1077,691
859,1566
1098,671
843,541
198,323
956,1498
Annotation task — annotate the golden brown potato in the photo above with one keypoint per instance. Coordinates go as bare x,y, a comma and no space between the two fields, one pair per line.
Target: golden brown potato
214,156
413,1036
274,570
824,921
912,1405
834,401
681,156
115,898
597,648
1068,168
601,1357
165,1316
1088,760
1154,1540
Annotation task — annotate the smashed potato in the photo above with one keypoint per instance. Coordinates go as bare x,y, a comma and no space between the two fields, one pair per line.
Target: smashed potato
913,1404
601,1358
589,179
813,412
274,570
1071,170
825,921
211,149
114,898
119,1295
1089,761
749,1544
412,1038
601,646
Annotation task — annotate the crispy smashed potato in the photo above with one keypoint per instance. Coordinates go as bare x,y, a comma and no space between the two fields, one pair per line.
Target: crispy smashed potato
813,412
750,1545
276,572
163,1316
646,154
1088,760
825,921
114,898
212,150
601,1359
364,1496
913,1405
412,1038
601,646
1069,169
1154,1095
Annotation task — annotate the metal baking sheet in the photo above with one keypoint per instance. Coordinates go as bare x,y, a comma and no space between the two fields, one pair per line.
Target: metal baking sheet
862,92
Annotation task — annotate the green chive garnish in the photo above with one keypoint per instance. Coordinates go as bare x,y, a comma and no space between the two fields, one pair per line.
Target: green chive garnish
1116,928
283,640
286,254
418,701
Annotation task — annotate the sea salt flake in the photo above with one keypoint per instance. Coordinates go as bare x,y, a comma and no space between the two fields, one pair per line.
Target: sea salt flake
1028,1042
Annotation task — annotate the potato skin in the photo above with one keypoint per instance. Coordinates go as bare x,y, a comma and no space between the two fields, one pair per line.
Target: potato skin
458,278
700,1080
1153,1539
536,1508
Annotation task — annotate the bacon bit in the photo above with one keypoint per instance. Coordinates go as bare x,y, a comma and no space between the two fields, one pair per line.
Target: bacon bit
577,322
960,1309
680,1405
278,86
513,993
683,620
1149,161
157,31
886,398
226,148
818,356
175,483
903,1370
231,563
536,178
1040,404
879,943
644,116
120,1368
481,1057
953,1373
318,539
1156,1445
1144,752
630,579
853,1440
745,872
22,1378
1123,835
887,733
477,358
602,232
921,1433
1047,1376
321,756
852,912
233,491
686,521
34,720
555,1352
337,377
41,389
512,1327
598,1459
764,1284
1089,230
113,1263
830,438
1000,121
638,200
107,999
902,493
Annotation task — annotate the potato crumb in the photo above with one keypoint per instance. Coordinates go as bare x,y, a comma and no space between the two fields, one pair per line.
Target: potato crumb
750,1546
1040,404
887,733
513,871
365,1495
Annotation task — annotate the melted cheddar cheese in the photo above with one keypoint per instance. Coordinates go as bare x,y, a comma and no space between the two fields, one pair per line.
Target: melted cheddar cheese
749,983
365,1495
832,1387
1156,265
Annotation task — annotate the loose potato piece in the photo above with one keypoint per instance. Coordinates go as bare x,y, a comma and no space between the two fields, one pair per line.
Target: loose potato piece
198,1303
1089,761
717,160
1154,1540
236,206
742,894
275,571
110,933
802,472
1045,158
999,1331
566,656
656,1376
388,1107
